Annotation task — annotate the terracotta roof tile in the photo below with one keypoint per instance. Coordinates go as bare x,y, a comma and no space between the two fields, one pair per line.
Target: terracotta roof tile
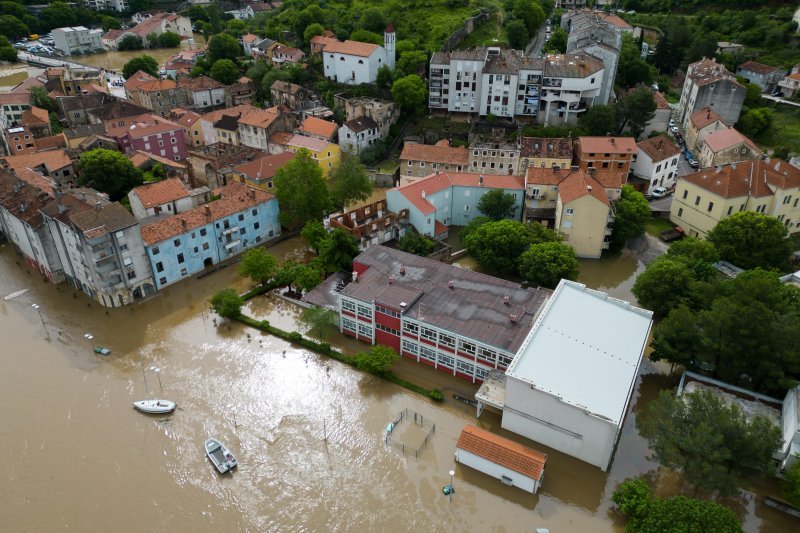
727,138
51,159
357,125
746,178
704,117
553,148
139,158
157,85
661,101
417,191
659,148
502,451
579,184
200,83
35,116
137,79
260,118
352,48
317,126
250,38
265,167
50,142
435,154
555,176
106,218
759,68
235,197
147,126
161,192
607,145
323,41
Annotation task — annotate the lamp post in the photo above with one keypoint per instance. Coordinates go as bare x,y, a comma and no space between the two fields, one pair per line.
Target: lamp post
89,337
39,310
158,375
452,489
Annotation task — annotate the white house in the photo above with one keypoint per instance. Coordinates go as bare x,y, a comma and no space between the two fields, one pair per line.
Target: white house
510,462
571,381
242,14
249,40
657,161
168,196
359,134
353,62
77,40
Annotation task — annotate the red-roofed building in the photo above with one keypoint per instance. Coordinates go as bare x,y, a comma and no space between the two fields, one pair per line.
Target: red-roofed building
725,146
451,199
353,62
710,84
657,161
510,462
259,172
606,153
419,160
167,196
161,96
702,123
154,135
202,91
765,76
316,127
790,85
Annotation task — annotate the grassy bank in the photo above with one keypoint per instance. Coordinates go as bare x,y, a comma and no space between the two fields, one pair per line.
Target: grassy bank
785,128
655,226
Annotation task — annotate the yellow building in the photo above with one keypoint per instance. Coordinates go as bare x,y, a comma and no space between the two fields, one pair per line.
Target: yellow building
726,146
326,153
705,197
573,203
543,152
192,128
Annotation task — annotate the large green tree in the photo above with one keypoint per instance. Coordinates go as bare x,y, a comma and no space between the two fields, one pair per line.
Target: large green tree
712,443
227,303
377,360
144,62
634,110
679,514
130,42
546,264
12,27
412,62
321,322
410,93
749,240
336,252
517,34
223,46
632,211
530,12
350,182
499,245
258,265
632,69
416,243
791,484
599,120
496,204
108,171
225,71
301,190
666,284
557,43
314,233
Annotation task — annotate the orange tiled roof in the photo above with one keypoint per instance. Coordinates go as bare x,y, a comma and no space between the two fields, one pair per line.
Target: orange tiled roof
260,118
502,451
317,126
157,85
137,79
438,153
416,192
607,145
351,48
608,179
704,117
661,101
250,38
200,83
746,178
139,158
161,192
50,142
579,184
148,125
760,68
265,167
659,148
52,160
235,197
35,116
726,138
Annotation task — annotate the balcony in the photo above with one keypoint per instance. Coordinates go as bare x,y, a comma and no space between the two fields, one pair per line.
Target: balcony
103,258
232,244
233,229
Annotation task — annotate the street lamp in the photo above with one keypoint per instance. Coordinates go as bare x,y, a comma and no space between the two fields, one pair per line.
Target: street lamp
452,488
158,375
39,310
90,338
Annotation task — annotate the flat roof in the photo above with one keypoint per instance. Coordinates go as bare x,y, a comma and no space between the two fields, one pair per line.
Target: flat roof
585,348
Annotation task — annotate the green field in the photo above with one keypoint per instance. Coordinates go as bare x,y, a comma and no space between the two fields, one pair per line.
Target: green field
655,226
785,128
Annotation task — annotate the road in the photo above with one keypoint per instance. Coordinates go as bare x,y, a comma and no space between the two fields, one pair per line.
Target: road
779,99
534,48
52,61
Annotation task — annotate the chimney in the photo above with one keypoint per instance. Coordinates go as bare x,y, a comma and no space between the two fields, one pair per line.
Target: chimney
23,207
451,284
392,279
208,210
589,188
591,171
184,223
507,299
512,317
423,193
355,276
402,270
612,140
97,206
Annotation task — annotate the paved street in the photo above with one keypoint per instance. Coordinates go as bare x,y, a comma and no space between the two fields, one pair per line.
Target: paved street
662,204
534,48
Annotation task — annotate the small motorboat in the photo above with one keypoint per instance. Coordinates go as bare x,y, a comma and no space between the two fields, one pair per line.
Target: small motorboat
222,458
155,407
102,351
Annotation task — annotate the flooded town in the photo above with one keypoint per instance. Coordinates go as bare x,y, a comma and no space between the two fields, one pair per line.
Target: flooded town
479,266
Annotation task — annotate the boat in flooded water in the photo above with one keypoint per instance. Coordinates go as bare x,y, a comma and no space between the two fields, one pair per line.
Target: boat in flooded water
222,458
155,407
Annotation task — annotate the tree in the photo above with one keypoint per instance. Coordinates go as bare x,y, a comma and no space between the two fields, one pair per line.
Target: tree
632,211
144,62
699,255
258,265
753,97
557,43
372,20
499,245
337,251
301,190
755,121
710,442
40,98
225,71
314,233
130,42
377,360
384,77
223,46
656,515
634,110
517,34
109,171
632,69
474,224
364,36
547,263
12,27
109,23
169,39
412,62
416,243
749,240
227,303
312,30
7,51
599,120
791,484
497,204
236,27
321,322
410,93
349,182
530,12
306,277
664,285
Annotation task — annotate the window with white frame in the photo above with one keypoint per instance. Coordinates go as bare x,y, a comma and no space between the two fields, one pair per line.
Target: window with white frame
486,355
427,353
464,366
428,334
481,373
409,327
570,211
348,305
364,311
466,347
447,340
410,347
348,324
365,330
446,360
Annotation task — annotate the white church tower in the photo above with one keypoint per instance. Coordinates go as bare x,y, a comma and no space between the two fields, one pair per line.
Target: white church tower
389,45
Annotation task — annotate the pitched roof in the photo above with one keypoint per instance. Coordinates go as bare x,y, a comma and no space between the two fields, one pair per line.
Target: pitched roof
554,176
357,125
113,34
661,101
264,167
140,157
235,197
146,126
138,78
352,48
161,192
260,118
119,108
745,178
15,98
708,71
84,130
51,159
553,148
157,85
22,199
502,451
227,122
301,141
317,126
50,142
579,184
286,87
35,116
759,68
607,144
437,153
704,117
323,40
726,138
250,38
185,117
200,83
239,110
659,148
104,218
417,191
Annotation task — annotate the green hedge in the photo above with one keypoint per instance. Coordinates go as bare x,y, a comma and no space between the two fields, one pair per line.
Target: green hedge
326,349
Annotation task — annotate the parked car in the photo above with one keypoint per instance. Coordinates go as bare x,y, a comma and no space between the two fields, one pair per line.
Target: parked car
694,163
674,129
671,234
659,192
672,122
687,155
777,93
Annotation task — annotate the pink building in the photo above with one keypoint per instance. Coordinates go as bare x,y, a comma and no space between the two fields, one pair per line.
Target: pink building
154,135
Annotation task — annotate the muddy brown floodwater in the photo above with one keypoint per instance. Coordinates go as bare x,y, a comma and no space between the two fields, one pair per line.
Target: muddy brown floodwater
308,431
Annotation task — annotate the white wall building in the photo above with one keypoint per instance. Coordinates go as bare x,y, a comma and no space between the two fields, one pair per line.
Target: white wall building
354,63
168,196
571,380
77,40
359,134
657,161
510,462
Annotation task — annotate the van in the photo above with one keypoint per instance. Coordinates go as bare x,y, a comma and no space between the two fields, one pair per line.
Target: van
33,36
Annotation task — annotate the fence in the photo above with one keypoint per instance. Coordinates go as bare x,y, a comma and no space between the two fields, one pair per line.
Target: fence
409,432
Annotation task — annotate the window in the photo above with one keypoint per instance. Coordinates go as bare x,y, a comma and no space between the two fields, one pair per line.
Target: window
685,193
381,327
348,324
203,232
487,355
411,328
162,281
680,211
159,267
123,247
364,311
156,251
254,212
410,347
387,311
730,210
131,274
466,208
466,347
347,305
465,367
697,201
570,211
427,353
447,340
710,206
365,330
428,334
180,258
446,360
173,140
256,225
205,246
176,242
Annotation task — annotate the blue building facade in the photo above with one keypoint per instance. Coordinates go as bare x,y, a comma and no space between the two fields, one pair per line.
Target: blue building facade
184,244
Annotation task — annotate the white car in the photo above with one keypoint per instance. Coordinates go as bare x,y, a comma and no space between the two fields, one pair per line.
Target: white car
658,192
672,122
674,129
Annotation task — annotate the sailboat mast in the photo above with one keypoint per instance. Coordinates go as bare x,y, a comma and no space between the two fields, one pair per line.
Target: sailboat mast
144,375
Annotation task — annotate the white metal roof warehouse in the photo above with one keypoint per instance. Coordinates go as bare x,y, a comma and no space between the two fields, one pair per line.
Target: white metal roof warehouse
580,358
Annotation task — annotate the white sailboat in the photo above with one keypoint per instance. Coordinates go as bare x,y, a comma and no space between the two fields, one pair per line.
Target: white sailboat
157,406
